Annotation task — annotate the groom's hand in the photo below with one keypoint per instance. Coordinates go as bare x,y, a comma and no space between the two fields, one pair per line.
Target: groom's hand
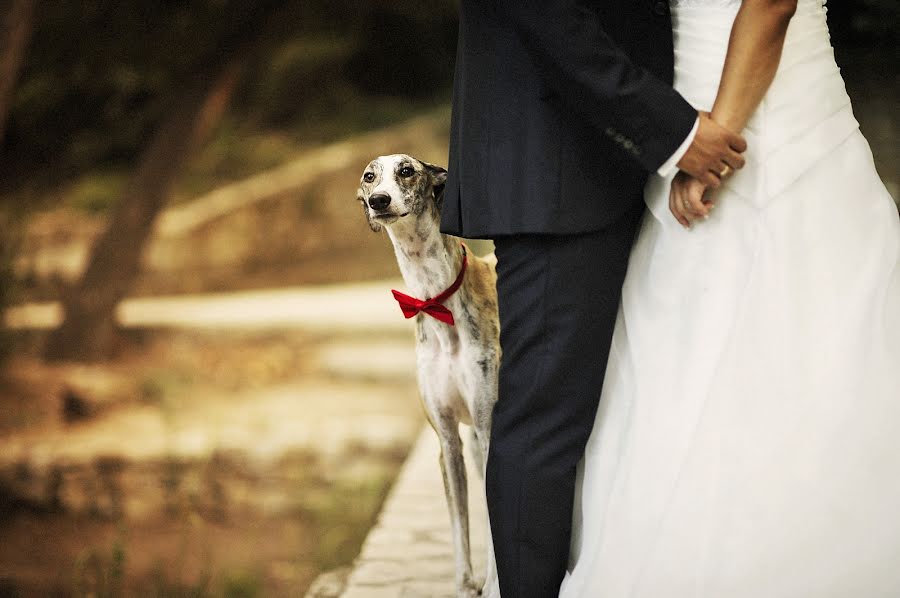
714,148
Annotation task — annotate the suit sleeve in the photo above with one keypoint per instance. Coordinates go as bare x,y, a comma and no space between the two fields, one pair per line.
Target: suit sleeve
644,116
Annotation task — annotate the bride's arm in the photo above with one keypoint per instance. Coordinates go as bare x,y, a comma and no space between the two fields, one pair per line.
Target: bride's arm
754,51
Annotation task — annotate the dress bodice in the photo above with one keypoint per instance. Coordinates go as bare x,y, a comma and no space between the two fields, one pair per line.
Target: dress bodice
806,110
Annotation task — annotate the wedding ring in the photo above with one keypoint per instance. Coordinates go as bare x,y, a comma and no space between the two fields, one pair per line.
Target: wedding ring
725,172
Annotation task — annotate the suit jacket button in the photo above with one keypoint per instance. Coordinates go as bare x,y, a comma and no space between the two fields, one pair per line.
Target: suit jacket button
661,7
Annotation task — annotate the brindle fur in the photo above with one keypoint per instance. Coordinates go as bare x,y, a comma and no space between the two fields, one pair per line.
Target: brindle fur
457,365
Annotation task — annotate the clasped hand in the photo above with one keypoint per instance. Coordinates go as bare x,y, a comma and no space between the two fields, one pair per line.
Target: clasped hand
713,156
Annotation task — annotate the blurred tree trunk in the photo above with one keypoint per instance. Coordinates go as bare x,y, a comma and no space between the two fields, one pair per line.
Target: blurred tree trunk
16,23
89,329
16,19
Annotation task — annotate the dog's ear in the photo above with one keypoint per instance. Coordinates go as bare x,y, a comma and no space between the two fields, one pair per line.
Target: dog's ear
376,227
438,174
438,181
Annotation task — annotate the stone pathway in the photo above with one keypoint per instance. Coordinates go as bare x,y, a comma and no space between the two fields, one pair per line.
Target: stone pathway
357,308
409,552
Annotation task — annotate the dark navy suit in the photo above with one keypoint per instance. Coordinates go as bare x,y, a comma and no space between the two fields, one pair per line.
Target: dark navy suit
561,108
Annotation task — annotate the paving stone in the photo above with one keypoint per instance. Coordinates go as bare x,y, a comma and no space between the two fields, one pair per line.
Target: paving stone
329,584
381,572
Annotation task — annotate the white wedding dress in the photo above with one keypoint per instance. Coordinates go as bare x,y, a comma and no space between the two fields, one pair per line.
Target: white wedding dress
747,443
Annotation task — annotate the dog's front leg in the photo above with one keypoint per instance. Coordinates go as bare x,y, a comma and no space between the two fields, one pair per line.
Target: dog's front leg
455,486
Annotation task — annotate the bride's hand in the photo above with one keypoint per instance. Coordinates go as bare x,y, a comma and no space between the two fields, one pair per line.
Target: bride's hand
686,200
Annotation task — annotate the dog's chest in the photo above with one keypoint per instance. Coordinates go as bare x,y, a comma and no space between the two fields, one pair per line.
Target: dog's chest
446,369
436,339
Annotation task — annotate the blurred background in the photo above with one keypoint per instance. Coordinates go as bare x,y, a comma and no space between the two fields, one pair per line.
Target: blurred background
202,392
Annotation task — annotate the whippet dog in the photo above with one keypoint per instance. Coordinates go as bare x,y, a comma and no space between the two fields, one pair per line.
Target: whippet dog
457,329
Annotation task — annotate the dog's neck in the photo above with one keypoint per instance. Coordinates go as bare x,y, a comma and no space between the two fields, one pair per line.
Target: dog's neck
429,260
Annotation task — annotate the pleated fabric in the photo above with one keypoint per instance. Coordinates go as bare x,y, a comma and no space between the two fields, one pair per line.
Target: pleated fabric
748,437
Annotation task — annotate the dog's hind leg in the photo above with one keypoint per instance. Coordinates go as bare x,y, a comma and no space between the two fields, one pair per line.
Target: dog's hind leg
455,485
491,587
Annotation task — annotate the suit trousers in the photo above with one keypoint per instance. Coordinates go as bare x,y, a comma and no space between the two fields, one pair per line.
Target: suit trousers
558,300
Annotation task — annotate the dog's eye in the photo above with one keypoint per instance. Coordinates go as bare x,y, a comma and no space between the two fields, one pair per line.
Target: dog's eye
407,171
369,177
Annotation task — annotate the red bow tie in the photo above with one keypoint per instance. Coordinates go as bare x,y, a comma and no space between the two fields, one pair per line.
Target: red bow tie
433,307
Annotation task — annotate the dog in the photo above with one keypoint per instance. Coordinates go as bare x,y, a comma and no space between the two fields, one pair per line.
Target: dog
457,329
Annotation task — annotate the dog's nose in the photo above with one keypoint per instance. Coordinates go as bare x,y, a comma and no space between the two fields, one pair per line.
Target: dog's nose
379,201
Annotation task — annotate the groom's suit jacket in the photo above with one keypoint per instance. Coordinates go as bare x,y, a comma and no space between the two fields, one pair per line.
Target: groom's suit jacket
561,108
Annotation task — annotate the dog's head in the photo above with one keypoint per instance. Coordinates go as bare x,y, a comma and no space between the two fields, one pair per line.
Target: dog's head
397,186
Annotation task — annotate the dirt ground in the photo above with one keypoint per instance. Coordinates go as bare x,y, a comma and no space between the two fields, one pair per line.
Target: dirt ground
323,504
58,555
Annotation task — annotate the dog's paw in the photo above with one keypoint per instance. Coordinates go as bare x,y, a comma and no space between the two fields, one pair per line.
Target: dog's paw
467,590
